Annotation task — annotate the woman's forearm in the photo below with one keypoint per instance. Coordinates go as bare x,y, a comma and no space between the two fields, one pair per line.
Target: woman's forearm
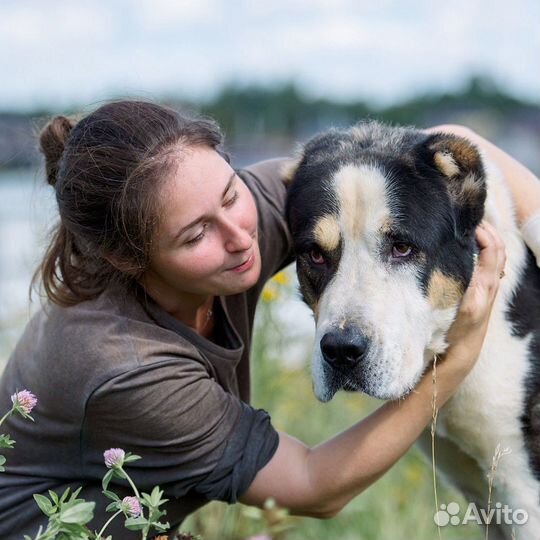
320,481
524,185
349,463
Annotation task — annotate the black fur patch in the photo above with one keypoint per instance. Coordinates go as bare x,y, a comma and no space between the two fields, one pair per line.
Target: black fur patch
524,314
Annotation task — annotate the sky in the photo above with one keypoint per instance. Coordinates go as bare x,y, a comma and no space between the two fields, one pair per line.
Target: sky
61,53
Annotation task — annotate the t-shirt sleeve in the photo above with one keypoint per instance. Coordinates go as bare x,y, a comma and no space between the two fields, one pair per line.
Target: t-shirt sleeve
265,180
189,432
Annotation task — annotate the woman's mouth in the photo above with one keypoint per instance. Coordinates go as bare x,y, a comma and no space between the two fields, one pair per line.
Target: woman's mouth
246,265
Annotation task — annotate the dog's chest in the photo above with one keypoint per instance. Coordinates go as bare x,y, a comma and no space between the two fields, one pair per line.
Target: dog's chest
486,409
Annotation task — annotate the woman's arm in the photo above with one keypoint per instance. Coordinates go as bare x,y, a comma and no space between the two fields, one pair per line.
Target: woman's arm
319,481
523,184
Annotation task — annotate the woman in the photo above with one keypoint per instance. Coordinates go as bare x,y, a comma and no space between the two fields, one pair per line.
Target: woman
153,277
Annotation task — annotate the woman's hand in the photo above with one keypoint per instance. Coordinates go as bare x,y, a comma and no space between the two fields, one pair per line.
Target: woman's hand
467,333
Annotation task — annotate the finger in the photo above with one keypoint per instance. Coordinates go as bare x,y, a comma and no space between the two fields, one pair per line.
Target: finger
501,249
490,261
488,256
495,234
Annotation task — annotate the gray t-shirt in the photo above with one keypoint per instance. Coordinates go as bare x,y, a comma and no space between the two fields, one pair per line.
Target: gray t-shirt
118,371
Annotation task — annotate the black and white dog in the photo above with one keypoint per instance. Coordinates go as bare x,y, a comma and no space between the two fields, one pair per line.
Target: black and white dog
383,221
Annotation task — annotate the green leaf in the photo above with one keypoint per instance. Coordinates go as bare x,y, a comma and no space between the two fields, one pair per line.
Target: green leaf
54,496
2,462
146,500
161,526
6,442
113,507
106,479
81,513
156,496
131,457
111,495
119,473
45,505
136,524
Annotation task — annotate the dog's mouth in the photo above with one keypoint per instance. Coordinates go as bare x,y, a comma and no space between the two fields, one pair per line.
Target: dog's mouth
334,381
377,375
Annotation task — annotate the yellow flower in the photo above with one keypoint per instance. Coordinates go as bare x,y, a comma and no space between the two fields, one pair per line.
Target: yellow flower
269,294
282,278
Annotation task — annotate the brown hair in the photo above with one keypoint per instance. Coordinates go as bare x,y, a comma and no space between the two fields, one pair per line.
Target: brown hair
107,169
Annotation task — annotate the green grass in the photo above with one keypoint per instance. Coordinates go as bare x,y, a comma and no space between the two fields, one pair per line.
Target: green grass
399,506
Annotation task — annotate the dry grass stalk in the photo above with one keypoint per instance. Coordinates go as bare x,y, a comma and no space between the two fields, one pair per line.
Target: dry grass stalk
491,478
434,414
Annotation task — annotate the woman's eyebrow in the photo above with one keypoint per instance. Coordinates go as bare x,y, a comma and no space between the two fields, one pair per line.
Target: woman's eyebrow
229,184
201,218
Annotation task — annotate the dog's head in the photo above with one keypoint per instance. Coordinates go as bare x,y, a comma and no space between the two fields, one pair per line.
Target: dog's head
383,221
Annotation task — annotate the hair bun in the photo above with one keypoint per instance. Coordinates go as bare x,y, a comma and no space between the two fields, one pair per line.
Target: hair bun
52,141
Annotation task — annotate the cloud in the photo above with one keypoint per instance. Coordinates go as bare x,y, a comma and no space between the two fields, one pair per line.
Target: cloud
78,52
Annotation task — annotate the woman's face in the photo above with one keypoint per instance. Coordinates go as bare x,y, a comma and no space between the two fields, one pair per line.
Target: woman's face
207,239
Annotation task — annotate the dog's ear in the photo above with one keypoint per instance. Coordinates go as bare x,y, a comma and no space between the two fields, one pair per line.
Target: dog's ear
459,161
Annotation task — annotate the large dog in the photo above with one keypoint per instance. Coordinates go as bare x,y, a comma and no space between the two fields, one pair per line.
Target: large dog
383,221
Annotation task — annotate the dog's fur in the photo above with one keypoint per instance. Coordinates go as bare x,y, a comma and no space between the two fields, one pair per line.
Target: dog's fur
383,221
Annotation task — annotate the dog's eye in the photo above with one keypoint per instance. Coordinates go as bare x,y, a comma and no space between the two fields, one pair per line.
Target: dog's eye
400,249
316,256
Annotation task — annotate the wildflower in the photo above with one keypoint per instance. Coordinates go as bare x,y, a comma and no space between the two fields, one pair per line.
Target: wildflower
281,278
114,457
24,401
269,294
132,506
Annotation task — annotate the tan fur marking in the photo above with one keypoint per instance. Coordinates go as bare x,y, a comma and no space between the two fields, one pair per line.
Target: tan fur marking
289,168
386,226
443,291
462,151
446,164
352,205
326,232
470,189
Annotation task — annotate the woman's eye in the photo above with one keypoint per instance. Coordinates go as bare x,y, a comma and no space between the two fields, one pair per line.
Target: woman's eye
400,249
232,200
316,257
197,238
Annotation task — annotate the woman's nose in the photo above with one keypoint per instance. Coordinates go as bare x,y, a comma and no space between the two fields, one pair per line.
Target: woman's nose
236,237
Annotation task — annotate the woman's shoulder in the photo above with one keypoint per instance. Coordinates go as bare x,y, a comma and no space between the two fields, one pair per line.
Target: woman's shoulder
95,340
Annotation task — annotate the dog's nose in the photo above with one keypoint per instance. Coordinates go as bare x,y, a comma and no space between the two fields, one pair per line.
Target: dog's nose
344,348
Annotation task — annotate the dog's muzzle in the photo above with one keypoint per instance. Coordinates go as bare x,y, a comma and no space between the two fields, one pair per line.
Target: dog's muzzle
343,349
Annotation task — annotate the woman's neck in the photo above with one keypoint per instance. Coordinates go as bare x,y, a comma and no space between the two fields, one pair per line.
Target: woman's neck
195,311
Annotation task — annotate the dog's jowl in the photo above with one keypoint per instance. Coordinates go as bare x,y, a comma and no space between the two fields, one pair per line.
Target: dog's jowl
384,222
